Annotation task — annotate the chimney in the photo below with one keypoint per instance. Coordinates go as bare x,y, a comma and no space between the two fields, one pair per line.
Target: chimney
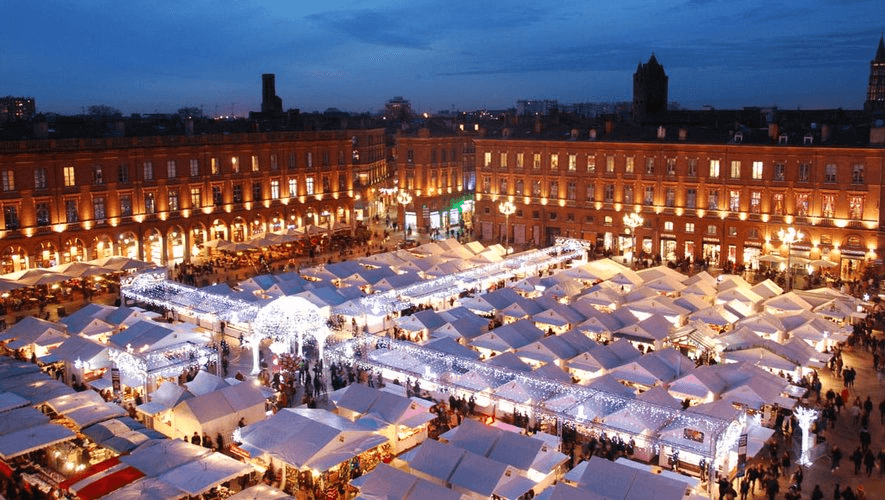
574,134
609,126
774,131
592,134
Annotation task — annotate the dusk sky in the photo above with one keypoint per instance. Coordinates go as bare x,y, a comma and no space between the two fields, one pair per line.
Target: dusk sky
457,54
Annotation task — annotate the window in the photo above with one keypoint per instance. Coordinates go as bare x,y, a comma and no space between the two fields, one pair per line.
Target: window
649,196
293,161
711,230
98,208
757,170
554,189
572,191
195,168
123,173
72,212
8,180
692,167
802,204
670,197
148,169
572,162
714,169
552,215
217,197
777,203
732,231
855,207
213,166
753,233
590,192
126,205
857,176
609,164
650,166
293,187
342,181
520,186
668,225
689,227
712,200
502,185
536,161
275,189
735,169
308,184
536,214
235,164
274,164
172,201
608,220
779,172
520,160
97,175
257,194
487,159
149,206
196,197
734,200
486,184
691,198
628,165
236,193
10,217
628,195
554,161
503,159
42,212
255,165
536,187
171,169
608,193
40,178
830,173
671,166
70,180
804,172
433,157
327,186
755,202
828,205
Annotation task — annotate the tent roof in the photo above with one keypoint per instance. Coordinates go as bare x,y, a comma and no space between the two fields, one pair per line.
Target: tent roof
158,456
33,438
262,492
204,473
437,459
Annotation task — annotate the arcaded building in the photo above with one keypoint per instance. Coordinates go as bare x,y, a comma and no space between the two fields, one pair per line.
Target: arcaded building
717,201
158,198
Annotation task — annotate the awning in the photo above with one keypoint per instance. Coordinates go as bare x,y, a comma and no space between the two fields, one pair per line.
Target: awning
329,460
33,438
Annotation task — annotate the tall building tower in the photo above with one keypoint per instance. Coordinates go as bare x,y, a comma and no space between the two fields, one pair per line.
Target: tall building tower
650,85
876,89
270,103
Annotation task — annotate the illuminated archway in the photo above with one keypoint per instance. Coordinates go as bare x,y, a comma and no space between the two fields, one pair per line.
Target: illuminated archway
153,246
128,245
176,248
47,254
74,250
256,225
238,229
288,320
276,222
14,258
219,230
102,246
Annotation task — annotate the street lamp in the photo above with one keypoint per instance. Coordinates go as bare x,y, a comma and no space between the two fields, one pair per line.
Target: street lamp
789,236
633,220
404,198
507,208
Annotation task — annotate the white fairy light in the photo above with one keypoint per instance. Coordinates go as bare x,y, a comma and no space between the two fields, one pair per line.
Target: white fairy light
805,416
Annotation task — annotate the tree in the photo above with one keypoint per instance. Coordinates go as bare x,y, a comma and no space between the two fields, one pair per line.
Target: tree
190,112
102,111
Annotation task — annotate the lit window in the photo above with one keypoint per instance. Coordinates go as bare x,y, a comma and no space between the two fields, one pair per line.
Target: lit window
213,166
755,202
170,169
309,185
668,225
40,178
8,180
828,205
487,161
275,189
149,206
628,166
572,162
779,172
255,165
689,227
802,204
173,201
520,160
735,169
196,197
554,161
830,173
857,176
536,161
734,200
70,181
293,187
714,169
235,164
855,207
503,159
195,168
757,170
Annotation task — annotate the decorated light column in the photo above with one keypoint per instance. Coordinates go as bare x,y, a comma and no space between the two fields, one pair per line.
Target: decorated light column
789,236
507,208
805,416
632,221
404,198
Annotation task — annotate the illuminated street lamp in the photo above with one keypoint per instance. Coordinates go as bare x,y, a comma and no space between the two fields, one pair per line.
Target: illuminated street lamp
507,208
632,221
789,236
404,198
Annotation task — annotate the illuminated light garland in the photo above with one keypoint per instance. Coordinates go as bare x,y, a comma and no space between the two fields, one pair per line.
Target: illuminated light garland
805,416
170,361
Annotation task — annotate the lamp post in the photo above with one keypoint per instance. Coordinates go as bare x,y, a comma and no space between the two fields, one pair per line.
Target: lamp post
789,236
632,221
404,198
507,208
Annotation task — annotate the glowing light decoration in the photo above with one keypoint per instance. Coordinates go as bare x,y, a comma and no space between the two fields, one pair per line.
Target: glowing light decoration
805,416
286,320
